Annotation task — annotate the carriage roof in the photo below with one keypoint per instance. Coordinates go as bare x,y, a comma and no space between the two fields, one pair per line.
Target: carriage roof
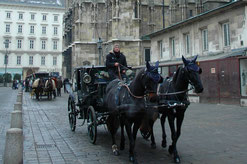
91,67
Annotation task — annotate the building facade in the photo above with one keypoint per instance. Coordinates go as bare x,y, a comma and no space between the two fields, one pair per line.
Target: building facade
91,27
219,38
34,32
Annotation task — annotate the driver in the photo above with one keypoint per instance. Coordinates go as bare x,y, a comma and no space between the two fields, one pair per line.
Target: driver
114,61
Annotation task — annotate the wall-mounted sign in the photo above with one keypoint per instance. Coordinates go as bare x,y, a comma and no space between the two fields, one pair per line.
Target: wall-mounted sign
212,70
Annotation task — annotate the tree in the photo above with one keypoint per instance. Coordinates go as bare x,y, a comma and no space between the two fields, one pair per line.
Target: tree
7,77
1,78
17,77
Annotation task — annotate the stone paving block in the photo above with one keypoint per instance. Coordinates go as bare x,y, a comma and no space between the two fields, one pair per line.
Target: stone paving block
204,127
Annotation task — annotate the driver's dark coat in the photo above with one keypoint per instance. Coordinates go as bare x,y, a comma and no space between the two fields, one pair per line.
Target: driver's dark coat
111,59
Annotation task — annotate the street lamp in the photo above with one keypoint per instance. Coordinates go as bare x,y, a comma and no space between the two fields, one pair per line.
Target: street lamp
100,49
6,43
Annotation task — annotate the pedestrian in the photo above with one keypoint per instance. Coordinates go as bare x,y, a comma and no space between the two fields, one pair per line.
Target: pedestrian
65,82
59,86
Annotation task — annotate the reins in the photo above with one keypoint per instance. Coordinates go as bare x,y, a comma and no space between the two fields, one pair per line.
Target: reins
138,97
174,93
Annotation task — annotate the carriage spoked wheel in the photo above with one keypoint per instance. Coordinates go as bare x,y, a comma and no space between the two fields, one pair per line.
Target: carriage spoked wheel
145,135
91,124
72,114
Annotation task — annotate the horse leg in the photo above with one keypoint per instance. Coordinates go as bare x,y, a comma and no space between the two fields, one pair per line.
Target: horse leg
162,122
179,121
131,142
122,142
172,148
153,144
112,125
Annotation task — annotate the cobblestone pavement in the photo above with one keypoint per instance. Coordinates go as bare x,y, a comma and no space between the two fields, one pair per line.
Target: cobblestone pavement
211,134
7,100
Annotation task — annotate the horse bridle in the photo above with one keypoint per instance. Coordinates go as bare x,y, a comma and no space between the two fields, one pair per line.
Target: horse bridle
179,92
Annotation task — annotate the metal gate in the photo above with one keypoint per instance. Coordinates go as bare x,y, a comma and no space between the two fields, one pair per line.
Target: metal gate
221,81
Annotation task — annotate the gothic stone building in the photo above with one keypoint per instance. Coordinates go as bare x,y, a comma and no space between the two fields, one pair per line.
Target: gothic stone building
92,27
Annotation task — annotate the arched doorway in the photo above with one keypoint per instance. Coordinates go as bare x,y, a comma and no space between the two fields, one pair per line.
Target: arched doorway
86,63
29,71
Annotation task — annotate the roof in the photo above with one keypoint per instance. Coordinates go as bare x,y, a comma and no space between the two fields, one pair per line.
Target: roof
47,3
198,17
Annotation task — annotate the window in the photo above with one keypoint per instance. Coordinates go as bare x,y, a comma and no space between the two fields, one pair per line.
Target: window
55,18
8,15
20,16
187,43
44,18
30,60
136,9
43,30
6,43
191,13
205,40
226,34
160,46
31,44
19,28
7,27
18,60
172,46
147,54
6,59
54,45
42,60
31,29
19,42
43,42
32,16
54,60
55,30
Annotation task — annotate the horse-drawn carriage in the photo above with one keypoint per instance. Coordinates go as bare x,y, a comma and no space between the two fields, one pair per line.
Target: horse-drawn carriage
86,99
98,100
43,85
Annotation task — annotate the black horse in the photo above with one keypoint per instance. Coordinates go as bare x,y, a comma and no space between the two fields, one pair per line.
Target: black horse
126,105
173,95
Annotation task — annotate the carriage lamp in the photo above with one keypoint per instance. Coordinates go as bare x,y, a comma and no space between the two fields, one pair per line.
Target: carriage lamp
87,78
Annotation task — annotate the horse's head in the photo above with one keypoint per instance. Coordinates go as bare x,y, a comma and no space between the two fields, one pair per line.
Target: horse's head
193,72
150,80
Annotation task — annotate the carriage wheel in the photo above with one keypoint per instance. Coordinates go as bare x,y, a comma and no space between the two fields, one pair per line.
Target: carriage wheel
145,135
83,115
72,114
91,124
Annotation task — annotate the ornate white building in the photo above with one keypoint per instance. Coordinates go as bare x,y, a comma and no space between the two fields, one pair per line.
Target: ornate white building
34,30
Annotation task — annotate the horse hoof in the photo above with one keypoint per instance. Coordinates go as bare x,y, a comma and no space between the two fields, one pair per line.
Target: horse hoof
163,144
116,153
177,160
133,160
153,145
170,150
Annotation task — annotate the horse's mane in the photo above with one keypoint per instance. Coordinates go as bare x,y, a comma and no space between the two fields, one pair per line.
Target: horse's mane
175,76
139,73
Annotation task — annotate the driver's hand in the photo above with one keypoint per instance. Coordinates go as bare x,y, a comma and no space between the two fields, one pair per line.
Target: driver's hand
116,64
124,71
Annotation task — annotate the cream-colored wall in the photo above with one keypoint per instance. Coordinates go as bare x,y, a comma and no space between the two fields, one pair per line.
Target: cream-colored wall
236,18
